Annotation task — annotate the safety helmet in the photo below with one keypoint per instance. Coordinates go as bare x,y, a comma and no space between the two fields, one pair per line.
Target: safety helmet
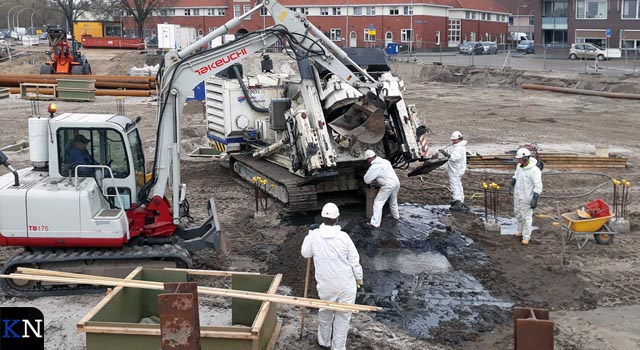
330,211
456,135
523,153
369,154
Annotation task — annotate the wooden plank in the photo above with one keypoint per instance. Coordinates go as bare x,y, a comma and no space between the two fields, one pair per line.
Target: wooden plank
274,336
135,330
283,299
104,301
212,272
262,314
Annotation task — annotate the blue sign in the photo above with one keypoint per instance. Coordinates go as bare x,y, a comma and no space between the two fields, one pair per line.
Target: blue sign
608,33
371,26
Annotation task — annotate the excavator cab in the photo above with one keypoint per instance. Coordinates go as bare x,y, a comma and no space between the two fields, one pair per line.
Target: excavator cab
65,56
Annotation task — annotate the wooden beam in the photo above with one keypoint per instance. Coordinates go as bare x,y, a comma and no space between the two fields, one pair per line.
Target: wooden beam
264,308
212,272
282,299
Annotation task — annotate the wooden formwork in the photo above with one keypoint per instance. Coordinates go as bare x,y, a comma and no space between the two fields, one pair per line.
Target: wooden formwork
113,322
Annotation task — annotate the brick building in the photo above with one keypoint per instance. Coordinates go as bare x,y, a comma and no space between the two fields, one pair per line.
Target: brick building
612,23
413,24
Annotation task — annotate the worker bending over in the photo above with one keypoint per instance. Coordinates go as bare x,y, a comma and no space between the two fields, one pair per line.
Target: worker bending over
456,166
526,185
381,171
338,272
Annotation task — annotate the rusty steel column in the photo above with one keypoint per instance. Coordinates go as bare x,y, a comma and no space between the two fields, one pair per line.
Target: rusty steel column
179,316
532,329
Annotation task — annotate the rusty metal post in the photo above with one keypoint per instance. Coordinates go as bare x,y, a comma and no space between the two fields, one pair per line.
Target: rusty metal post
179,316
532,329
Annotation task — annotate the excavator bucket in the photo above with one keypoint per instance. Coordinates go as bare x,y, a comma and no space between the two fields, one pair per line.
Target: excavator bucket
363,121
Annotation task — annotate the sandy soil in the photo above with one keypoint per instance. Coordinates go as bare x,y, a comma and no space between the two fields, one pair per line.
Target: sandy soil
594,298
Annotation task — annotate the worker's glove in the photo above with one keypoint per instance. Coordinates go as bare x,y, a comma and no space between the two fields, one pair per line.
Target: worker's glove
359,283
445,153
534,201
512,185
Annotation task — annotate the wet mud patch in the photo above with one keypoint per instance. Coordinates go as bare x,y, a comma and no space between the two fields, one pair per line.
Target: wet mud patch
415,269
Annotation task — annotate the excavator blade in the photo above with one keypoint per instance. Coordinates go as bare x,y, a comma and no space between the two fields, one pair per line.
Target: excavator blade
363,122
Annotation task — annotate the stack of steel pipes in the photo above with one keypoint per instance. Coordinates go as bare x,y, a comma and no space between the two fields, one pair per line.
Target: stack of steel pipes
106,85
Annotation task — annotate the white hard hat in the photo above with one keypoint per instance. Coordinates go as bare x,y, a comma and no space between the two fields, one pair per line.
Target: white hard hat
456,135
369,154
523,152
330,211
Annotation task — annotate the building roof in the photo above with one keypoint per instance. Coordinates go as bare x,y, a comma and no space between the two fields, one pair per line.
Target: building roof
481,5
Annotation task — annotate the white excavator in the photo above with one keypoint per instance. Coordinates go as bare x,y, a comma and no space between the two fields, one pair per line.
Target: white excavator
77,216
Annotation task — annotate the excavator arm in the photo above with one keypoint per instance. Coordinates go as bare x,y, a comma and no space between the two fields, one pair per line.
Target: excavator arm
183,70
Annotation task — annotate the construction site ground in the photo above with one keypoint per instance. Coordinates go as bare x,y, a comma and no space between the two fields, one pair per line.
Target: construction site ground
594,297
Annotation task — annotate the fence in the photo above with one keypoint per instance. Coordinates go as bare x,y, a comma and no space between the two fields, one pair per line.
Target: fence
539,57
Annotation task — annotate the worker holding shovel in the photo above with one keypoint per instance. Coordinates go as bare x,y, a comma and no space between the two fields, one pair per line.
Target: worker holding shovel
338,273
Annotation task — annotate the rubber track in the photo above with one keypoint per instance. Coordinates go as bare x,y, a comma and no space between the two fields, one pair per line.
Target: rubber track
302,198
29,259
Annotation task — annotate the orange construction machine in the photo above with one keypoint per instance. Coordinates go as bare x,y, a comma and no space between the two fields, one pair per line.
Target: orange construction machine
65,57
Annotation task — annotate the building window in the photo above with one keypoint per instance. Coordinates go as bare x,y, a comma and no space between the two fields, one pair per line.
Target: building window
187,12
236,11
371,11
590,9
210,12
484,16
406,35
532,20
407,10
510,20
304,10
196,12
167,12
211,29
336,11
335,34
222,12
369,38
294,9
246,9
357,11
472,36
264,12
200,33
630,9
324,11
554,9
388,36
393,10
454,30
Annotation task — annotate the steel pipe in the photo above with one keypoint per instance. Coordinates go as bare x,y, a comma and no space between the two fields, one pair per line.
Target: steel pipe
581,91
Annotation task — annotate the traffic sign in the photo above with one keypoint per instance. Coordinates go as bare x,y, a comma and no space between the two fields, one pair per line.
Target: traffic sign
608,33
371,26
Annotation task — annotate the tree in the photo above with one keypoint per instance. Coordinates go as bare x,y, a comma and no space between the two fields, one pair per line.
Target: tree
140,10
71,10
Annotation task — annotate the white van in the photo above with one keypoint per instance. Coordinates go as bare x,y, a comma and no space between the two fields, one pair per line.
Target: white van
518,36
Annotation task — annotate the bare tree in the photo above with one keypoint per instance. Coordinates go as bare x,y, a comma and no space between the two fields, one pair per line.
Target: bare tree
71,10
140,10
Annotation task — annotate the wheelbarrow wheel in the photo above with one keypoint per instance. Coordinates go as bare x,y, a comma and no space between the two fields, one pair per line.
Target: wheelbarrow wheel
603,238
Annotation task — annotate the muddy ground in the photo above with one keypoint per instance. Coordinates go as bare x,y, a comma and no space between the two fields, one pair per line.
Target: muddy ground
593,296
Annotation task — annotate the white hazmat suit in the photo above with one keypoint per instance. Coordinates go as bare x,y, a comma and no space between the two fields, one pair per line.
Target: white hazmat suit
382,172
456,167
337,266
528,180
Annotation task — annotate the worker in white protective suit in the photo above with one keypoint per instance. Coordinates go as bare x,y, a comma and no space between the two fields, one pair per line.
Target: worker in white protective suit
526,186
381,171
456,166
338,275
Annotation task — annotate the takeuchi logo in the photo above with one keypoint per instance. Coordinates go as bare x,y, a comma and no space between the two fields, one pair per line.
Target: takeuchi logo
221,61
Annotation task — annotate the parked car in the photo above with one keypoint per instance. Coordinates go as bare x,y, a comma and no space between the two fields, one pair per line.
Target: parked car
526,46
490,47
471,47
586,50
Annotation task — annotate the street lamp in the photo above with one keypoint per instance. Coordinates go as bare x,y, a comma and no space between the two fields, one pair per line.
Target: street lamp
18,16
33,13
9,18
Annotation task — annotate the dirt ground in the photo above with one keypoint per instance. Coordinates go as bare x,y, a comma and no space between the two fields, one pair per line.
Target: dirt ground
594,297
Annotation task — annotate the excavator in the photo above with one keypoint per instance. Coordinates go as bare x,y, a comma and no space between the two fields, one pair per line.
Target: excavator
65,56
107,211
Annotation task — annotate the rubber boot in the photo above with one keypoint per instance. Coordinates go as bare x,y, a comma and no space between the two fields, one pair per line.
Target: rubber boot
456,206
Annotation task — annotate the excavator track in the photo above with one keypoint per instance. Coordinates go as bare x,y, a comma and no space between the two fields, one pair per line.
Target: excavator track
296,198
77,258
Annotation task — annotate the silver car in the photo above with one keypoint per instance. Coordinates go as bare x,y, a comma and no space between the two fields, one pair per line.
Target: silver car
490,47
